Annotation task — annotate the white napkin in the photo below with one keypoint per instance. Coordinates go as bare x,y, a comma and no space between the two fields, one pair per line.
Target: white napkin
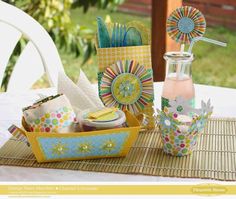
87,87
81,96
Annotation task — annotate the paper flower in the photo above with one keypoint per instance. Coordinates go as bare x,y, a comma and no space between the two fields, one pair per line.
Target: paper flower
167,121
84,148
126,88
109,145
186,23
179,106
168,118
59,149
205,109
127,85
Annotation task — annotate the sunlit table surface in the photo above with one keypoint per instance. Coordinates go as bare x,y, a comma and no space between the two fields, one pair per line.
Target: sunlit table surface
223,100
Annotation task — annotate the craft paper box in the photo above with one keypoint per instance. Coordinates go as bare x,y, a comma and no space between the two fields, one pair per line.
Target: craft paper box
141,54
52,147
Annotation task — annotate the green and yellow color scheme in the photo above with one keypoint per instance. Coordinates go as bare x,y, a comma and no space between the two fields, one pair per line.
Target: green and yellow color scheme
125,90
51,147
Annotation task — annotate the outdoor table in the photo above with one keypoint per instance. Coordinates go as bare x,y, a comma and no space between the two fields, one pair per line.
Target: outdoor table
223,100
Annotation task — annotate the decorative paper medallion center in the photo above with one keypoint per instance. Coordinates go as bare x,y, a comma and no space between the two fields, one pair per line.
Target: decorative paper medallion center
126,88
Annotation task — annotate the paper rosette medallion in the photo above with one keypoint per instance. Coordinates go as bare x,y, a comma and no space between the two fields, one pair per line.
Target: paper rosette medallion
186,23
127,85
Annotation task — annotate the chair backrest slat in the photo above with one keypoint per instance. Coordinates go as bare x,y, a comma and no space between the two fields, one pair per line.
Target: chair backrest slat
9,37
39,38
28,68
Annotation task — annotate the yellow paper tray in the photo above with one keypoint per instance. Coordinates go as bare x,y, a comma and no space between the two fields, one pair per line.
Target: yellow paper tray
51,147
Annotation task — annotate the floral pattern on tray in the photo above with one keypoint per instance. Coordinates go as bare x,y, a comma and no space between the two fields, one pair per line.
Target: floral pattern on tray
92,146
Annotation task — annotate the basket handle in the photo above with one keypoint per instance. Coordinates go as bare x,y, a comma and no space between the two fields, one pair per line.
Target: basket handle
18,133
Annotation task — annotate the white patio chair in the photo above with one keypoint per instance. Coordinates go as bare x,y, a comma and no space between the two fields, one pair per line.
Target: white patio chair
40,55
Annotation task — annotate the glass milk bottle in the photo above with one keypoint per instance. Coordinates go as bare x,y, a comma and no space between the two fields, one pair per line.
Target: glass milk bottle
178,81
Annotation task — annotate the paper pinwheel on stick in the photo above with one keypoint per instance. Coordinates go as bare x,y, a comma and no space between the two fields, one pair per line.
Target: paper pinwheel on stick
187,25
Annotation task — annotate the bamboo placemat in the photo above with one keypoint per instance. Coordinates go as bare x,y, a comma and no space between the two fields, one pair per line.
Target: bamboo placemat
213,158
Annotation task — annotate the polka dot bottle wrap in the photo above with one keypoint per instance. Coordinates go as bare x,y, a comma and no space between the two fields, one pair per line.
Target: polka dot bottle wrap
178,143
55,115
181,125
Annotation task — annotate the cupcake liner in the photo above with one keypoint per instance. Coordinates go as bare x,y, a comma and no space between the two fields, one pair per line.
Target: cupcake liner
179,135
52,114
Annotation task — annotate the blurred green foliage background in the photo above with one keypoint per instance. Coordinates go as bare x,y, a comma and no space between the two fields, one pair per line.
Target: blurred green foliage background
72,25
